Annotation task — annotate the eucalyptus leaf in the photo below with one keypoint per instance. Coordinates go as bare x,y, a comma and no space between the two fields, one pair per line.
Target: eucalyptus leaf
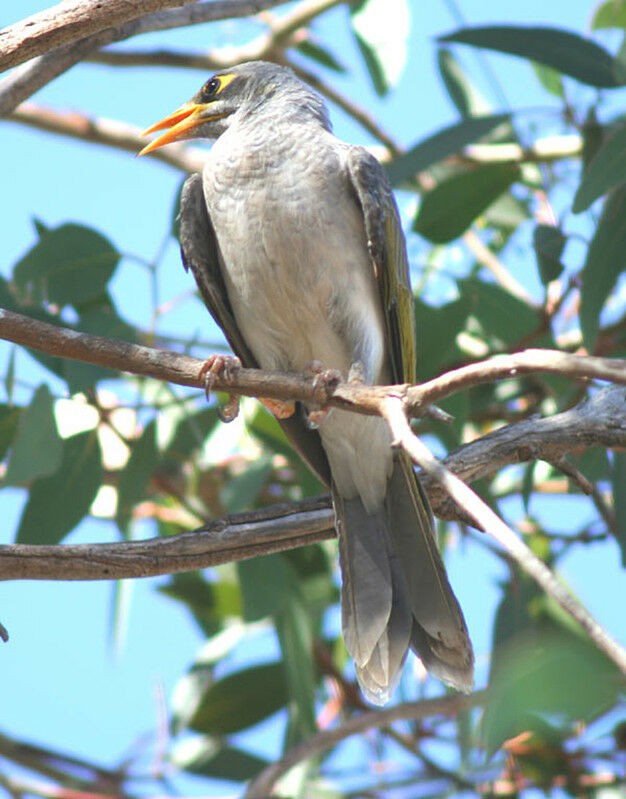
464,94
381,29
57,503
569,53
548,243
610,14
134,479
37,448
606,171
450,208
605,262
446,142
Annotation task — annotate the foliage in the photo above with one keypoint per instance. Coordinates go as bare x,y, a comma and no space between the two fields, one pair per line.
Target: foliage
493,176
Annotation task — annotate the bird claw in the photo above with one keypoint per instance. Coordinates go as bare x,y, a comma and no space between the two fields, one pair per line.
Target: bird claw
226,367
324,381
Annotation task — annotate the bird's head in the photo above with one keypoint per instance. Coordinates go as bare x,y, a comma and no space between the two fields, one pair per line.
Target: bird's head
256,91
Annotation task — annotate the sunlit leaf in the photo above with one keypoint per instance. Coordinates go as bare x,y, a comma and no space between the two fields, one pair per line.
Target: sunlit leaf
446,142
550,79
605,262
208,757
450,208
9,419
56,504
381,28
37,448
569,53
610,14
241,699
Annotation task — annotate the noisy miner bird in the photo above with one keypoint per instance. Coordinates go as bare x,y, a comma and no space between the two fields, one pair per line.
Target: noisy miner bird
295,243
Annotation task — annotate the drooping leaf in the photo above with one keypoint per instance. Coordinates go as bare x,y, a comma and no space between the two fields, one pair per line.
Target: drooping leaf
547,675
442,144
618,480
210,758
550,79
450,208
322,55
465,96
605,261
610,14
606,171
9,420
69,264
295,634
241,699
57,503
548,243
210,603
436,332
268,584
569,53
501,315
241,491
134,479
381,29
37,448
9,377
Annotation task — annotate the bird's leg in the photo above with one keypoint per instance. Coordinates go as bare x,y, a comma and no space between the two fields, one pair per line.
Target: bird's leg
281,409
225,366
323,380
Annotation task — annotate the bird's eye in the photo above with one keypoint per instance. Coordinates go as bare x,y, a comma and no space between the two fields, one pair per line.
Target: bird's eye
211,87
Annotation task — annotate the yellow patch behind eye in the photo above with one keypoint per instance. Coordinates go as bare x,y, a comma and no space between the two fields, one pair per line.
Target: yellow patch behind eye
224,81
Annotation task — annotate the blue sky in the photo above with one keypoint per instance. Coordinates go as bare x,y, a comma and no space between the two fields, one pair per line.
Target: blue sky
63,682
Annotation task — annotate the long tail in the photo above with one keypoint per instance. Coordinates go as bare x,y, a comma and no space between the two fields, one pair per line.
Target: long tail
395,591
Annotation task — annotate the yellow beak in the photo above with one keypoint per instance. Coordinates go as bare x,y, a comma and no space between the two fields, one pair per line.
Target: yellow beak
179,122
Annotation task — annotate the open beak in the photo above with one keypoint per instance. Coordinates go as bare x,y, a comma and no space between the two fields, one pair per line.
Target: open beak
181,121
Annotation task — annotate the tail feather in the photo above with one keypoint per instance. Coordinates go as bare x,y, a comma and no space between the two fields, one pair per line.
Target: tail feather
395,591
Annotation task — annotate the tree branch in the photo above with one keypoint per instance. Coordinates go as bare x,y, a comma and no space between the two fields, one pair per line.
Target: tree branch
261,787
394,412
29,78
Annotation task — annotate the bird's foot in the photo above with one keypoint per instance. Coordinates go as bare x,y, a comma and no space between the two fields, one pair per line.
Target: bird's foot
324,381
224,366
281,409
356,375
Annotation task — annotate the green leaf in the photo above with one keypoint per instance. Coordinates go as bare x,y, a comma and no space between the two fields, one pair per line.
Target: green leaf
56,504
133,482
569,53
241,699
209,603
450,208
240,492
209,758
437,329
9,377
610,14
556,675
295,633
465,96
550,79
37,448
548,243
322,55
618,480
606,171
501,315
268,583
9,420
605,261
69,264
381,29
442,144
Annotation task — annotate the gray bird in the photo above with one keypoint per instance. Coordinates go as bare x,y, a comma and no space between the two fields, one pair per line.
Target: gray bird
295,243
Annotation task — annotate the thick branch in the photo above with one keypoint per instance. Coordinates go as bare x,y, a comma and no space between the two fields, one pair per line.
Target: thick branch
261,787
185,370
485,518
108,132
600,421
29,78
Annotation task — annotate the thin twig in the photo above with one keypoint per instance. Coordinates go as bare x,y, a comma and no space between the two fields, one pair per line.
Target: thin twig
393,411
261,787
589,488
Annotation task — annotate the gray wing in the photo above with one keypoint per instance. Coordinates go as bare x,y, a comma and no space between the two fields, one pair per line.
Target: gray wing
200,254
387,247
